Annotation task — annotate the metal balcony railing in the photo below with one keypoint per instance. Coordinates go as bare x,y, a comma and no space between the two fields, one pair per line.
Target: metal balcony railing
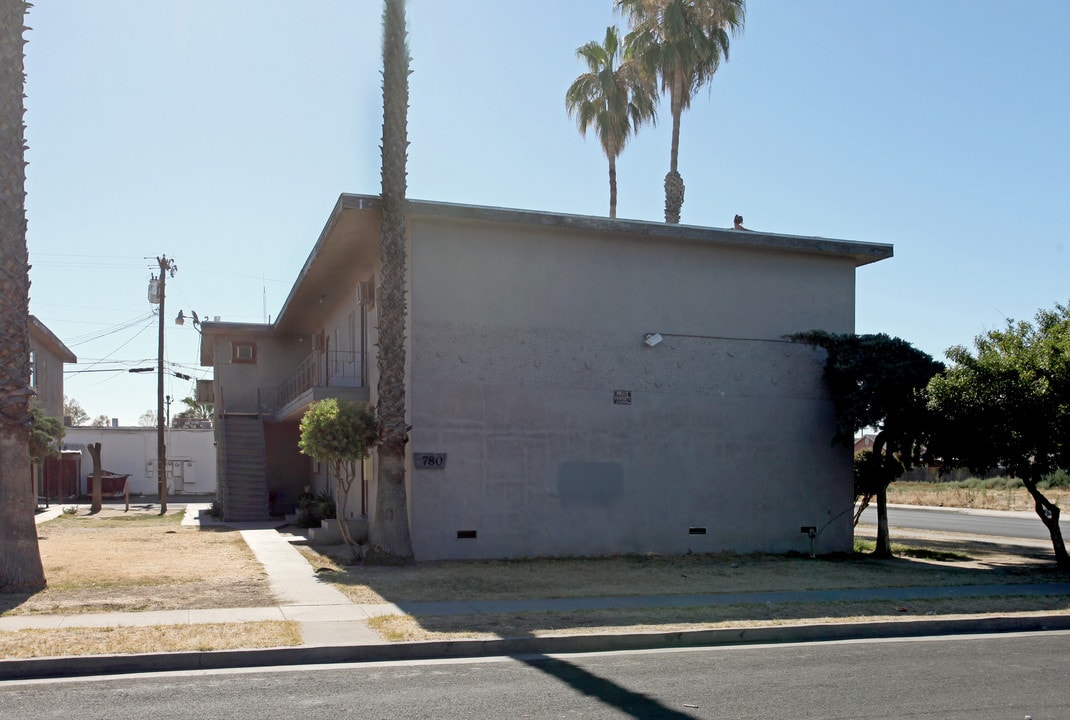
337,368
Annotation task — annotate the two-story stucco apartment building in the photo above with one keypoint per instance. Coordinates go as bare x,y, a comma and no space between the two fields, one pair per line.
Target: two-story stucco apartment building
575,385
48,355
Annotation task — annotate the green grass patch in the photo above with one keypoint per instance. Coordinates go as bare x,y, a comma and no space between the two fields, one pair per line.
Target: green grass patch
868,546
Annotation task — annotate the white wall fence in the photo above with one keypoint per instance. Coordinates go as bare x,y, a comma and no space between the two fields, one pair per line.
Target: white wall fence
191,457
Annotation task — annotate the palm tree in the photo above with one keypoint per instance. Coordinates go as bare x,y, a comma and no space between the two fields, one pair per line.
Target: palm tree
20,558
682,42
389,534
615,99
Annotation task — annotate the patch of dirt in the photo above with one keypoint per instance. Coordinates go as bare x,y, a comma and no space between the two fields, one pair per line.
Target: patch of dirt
157,638
982,564
118,561
947,495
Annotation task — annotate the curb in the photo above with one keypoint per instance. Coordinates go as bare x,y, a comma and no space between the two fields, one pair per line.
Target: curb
81,666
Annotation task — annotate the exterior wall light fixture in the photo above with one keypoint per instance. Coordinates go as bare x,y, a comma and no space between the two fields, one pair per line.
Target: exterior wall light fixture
181,320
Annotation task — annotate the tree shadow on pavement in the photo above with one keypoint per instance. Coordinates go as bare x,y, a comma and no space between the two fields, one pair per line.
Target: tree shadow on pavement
633,704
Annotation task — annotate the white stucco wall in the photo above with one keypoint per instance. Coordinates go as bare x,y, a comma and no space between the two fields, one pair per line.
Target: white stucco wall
520,337
132,451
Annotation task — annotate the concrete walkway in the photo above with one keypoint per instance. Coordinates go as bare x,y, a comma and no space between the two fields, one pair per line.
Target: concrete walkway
325,615
328,618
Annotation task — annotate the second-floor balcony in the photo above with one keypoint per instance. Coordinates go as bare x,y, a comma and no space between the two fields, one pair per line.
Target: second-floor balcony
337,373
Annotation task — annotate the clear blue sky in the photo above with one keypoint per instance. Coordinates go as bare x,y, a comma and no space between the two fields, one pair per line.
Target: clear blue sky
221,132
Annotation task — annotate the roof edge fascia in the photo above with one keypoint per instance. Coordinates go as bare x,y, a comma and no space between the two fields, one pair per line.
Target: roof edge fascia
862,253
49,339
345,201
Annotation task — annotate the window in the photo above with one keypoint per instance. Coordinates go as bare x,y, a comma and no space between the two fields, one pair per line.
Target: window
33,369
243,352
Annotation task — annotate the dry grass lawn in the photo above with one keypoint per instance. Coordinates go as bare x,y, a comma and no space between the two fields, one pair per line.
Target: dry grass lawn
977,562
116,561
929,559
401,628
946,495
140,561
170,638
679,575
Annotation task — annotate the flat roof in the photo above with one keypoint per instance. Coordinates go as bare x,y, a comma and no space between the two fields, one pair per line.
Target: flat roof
329,258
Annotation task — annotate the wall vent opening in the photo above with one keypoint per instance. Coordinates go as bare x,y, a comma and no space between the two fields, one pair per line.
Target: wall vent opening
466,534
696,531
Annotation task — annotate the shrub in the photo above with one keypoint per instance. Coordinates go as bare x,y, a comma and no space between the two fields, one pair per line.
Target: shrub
1057,479
312,509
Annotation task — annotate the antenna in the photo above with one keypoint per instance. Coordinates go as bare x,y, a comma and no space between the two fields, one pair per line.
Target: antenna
263,284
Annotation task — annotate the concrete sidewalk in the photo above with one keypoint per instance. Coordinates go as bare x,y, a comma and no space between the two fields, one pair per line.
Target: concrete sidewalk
334,629
326,616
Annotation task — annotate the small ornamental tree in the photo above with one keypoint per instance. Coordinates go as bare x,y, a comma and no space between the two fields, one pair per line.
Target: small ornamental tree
46,434
341,434
1007,405
878,381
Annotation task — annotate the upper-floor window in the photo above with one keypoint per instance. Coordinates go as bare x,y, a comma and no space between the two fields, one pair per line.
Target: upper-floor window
33,369
243,352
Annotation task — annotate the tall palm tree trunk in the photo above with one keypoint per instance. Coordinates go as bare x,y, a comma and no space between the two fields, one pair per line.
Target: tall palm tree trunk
676,107
389,534
674,182
612,187
20,557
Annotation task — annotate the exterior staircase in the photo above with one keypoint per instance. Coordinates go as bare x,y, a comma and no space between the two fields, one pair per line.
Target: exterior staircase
243,486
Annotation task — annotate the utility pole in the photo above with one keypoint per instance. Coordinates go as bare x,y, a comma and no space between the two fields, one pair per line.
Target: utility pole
166,267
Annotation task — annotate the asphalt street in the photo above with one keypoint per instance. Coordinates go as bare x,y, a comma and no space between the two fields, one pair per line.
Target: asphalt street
993,677
957,520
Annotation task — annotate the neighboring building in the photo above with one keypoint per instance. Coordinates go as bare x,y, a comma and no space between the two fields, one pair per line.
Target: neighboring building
47,356
575,385
865,442
191,458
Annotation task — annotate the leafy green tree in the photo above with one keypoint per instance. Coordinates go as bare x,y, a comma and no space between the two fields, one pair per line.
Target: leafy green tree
46,435
73,409
878,381
20,555
195,409
681,42
390,537
341,434
1007,405
613,98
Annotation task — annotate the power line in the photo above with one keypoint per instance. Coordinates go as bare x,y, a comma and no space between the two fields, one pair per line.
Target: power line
110,330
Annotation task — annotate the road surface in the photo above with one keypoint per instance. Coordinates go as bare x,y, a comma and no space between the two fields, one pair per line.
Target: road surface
951,678
958,520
